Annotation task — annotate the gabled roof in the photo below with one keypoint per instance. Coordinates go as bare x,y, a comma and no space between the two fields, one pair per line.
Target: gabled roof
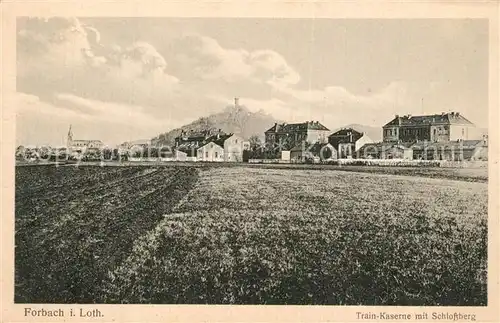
345,132
443,118
194,135
216,139
220,140
294,127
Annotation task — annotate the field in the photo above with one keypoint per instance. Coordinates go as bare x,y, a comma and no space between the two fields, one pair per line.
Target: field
248,235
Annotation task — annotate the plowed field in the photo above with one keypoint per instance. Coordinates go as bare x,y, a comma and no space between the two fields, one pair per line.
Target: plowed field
236,235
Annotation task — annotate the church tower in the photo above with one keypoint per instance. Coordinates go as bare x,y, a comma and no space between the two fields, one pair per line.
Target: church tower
69,142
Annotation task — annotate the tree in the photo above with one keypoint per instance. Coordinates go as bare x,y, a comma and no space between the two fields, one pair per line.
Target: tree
255,142
20,151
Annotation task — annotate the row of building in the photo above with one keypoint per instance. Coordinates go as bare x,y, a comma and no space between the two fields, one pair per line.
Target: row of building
445,136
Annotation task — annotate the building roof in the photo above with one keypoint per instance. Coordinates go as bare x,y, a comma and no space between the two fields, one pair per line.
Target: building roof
294,127
342,136
219,139
345,132
196,135
443,118
87,141
136,142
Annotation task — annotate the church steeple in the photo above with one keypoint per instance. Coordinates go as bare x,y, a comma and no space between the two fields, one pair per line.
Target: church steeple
69,142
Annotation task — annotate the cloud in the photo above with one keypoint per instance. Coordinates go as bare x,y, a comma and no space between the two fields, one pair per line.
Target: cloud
74,75
213,62
70,57
334,106
40,122
108,112
395,93
31,104
289,101
56,41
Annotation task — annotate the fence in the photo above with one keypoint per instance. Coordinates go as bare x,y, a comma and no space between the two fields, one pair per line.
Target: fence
268,161
384,162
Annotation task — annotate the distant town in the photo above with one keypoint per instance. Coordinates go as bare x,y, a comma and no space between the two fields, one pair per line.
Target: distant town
444,137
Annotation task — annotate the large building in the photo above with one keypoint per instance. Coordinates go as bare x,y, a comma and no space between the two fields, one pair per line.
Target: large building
434,128
445,136
285,136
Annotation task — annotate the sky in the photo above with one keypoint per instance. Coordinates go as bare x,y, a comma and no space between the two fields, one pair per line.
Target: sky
122,79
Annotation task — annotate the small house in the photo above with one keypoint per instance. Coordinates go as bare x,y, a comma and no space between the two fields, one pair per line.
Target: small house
347,141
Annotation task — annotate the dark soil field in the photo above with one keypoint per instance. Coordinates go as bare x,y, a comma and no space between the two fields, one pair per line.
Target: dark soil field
248,235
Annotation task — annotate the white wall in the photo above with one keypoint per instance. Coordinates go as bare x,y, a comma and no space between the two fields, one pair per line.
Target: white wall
233,149
469,132
210,152
361,141
317,135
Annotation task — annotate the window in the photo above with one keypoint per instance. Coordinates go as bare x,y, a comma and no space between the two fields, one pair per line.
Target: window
463,132
206,154
216,155
236,141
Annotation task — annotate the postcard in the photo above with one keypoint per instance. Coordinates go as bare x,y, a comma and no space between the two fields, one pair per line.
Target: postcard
250,161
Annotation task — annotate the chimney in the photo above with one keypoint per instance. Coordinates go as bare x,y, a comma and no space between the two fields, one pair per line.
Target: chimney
236,102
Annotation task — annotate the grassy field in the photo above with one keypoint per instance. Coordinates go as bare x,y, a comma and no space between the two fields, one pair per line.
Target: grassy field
248,236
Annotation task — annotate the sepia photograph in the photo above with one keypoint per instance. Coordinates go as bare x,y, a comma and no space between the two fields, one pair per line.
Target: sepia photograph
326,161
213,161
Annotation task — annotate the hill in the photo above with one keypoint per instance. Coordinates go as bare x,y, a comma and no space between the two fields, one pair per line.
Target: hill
234,119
